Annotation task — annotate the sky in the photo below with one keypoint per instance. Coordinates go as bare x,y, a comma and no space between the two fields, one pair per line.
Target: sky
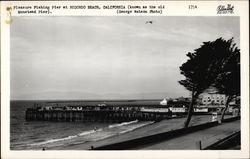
107,57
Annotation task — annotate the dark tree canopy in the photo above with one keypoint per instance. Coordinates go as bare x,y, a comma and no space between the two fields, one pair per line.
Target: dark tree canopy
204,64
228,80
212,61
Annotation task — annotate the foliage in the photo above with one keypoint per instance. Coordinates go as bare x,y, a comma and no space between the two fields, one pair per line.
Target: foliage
228,79
213,64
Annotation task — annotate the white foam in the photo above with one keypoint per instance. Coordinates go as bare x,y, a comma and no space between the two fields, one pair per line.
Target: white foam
135,127
53,140
122,124
87,132
66,138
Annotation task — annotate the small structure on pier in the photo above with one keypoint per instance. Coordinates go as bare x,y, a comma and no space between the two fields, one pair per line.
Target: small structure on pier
164,102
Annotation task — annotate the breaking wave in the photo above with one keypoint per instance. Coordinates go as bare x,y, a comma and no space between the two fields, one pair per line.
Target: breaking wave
66,138
135,127
122,124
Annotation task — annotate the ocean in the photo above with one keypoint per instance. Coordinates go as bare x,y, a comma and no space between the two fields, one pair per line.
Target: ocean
38,135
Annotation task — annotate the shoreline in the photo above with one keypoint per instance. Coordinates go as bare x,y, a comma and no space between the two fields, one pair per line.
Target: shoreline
88,136
80,143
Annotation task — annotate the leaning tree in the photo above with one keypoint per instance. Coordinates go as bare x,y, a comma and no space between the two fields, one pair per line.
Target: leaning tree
203,68
228,79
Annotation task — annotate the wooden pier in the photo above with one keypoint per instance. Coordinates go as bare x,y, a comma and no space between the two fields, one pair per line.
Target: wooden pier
100,113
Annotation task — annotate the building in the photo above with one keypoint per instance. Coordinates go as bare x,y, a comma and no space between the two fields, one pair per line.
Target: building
212,97
164,102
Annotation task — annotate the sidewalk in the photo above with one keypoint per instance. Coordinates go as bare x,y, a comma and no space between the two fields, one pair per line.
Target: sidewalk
189,141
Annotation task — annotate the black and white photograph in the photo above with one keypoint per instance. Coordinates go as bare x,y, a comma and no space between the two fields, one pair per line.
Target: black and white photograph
125,83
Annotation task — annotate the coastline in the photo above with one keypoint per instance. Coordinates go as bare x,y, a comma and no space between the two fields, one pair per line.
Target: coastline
155,128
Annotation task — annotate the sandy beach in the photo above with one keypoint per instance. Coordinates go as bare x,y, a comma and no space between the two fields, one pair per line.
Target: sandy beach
158,127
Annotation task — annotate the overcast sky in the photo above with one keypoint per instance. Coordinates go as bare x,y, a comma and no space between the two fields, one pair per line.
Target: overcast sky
107,57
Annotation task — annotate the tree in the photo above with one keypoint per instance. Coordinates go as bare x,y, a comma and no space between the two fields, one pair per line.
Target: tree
206,67
228,79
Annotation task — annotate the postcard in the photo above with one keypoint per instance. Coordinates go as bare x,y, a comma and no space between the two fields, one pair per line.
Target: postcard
124,79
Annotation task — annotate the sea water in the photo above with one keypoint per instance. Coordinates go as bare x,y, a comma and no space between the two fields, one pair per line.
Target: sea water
35,135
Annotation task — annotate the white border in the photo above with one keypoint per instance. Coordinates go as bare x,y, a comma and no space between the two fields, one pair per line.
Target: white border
179,8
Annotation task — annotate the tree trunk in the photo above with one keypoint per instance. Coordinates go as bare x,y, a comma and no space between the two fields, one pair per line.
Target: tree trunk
190,110
229,98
